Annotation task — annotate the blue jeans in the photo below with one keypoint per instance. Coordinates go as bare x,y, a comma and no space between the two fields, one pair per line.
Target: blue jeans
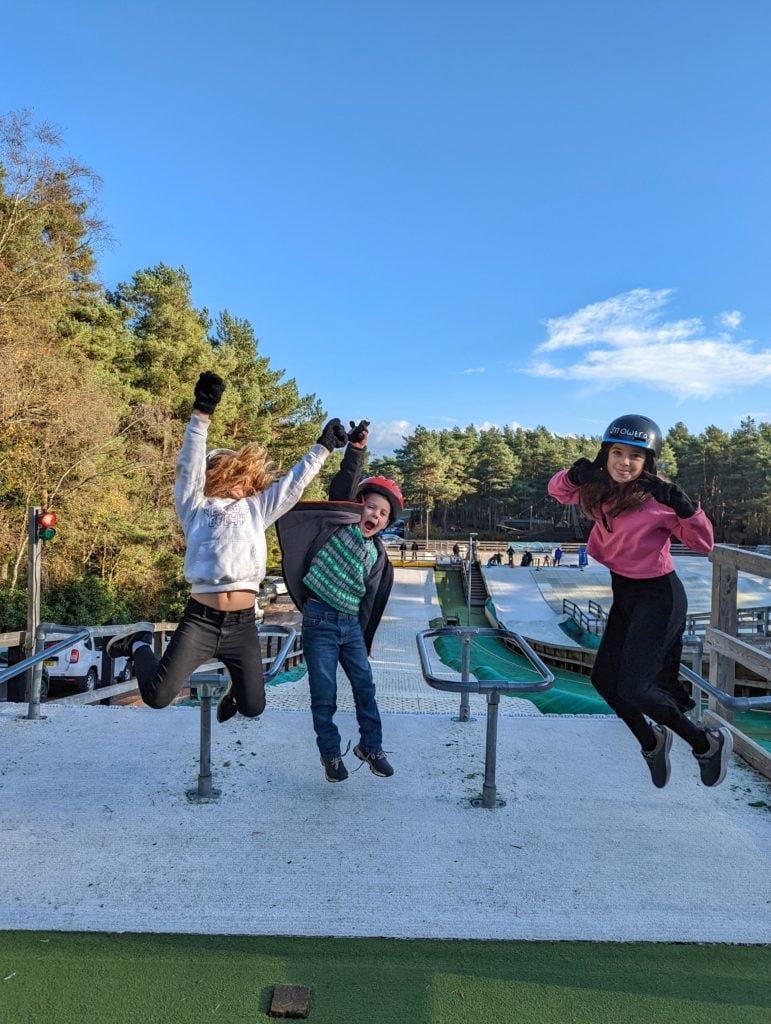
330,637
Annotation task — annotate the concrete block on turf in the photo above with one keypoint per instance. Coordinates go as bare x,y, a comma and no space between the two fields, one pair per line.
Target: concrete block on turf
290,1001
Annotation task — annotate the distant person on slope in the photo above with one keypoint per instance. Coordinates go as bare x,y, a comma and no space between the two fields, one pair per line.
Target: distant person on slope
635,512
338,574
224,501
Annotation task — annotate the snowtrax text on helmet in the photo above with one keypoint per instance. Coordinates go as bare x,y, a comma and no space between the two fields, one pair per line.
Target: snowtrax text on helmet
635,430
387,488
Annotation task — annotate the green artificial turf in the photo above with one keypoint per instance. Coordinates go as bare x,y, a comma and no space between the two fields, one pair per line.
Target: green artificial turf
62,978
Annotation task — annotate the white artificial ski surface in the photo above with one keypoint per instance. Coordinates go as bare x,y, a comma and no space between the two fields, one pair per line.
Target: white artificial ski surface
97,832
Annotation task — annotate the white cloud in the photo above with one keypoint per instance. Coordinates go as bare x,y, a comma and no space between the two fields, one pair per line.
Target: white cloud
385,437
487,425
628,340
731,319
474,369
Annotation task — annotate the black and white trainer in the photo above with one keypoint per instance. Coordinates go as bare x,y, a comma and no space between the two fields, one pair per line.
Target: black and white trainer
658,758
334,769
376,759
714,762
121,645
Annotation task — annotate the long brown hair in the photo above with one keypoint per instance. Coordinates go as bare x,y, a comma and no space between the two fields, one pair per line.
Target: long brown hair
607,498
250,467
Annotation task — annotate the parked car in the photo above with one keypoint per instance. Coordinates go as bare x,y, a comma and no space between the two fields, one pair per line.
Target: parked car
278,583
81,664
4,687
389,539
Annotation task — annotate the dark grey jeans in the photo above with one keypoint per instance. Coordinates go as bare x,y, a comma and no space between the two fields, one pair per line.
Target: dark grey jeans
205,634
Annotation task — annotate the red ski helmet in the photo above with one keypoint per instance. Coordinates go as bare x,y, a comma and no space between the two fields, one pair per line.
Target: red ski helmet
636,430
387,488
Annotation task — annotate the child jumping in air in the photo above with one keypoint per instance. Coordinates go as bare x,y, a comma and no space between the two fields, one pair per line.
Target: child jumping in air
337,572
636,669
224,502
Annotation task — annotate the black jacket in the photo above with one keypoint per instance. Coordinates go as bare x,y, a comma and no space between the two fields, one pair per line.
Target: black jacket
308,526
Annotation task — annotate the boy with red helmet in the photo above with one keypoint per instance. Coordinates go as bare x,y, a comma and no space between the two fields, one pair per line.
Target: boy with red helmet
338,574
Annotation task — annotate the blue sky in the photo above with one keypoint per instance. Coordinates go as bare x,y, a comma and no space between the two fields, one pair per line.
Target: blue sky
438,213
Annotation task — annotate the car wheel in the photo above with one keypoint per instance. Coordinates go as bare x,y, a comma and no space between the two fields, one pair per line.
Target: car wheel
44,686
90,682
125,674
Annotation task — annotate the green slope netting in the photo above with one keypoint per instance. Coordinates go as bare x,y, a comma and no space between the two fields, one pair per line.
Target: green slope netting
491,659
571,694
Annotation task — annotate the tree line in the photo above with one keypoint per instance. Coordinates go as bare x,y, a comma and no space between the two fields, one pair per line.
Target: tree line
96,389
479,478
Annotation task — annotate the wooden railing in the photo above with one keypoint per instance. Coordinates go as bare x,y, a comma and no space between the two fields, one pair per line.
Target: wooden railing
725,648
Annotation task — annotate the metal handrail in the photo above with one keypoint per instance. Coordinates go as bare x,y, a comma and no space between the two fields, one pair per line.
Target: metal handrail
483,685
491,687
75,634
78,633
726,699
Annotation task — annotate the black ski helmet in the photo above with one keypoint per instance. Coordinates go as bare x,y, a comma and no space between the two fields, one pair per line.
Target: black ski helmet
635,430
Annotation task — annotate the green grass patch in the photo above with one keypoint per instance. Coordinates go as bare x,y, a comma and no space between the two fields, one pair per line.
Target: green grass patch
63,978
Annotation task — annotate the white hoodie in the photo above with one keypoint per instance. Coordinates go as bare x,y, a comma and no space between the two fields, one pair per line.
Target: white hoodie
225,537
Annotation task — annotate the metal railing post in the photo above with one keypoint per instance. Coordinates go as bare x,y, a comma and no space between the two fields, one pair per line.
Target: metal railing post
205,791
464,711
489,797
205,683
491,687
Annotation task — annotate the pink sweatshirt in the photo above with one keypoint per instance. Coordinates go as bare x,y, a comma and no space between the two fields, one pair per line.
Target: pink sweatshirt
637,545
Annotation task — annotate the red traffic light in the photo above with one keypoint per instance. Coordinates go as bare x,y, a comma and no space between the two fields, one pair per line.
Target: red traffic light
45,525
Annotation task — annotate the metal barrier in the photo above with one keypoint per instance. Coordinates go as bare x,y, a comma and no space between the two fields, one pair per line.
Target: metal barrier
206,682
592,623
727,700
35,661
492,688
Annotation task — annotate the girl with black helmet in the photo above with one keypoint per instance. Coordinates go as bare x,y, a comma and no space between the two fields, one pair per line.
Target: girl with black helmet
338,574
635,513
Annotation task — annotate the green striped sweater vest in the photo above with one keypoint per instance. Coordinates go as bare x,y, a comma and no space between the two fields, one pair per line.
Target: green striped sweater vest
340,568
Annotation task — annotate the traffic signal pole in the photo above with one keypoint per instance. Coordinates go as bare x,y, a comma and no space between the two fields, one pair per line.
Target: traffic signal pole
34,563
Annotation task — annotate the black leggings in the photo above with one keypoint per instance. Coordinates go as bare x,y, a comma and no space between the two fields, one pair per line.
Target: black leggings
636,668
205,634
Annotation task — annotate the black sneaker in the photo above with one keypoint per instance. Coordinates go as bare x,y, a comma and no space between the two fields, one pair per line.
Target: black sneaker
658,758
713,763
121,645
226,707
376,759
334,769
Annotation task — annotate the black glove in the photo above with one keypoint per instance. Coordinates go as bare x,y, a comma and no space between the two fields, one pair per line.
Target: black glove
668,494
358,431
208,392
585,472
333,435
